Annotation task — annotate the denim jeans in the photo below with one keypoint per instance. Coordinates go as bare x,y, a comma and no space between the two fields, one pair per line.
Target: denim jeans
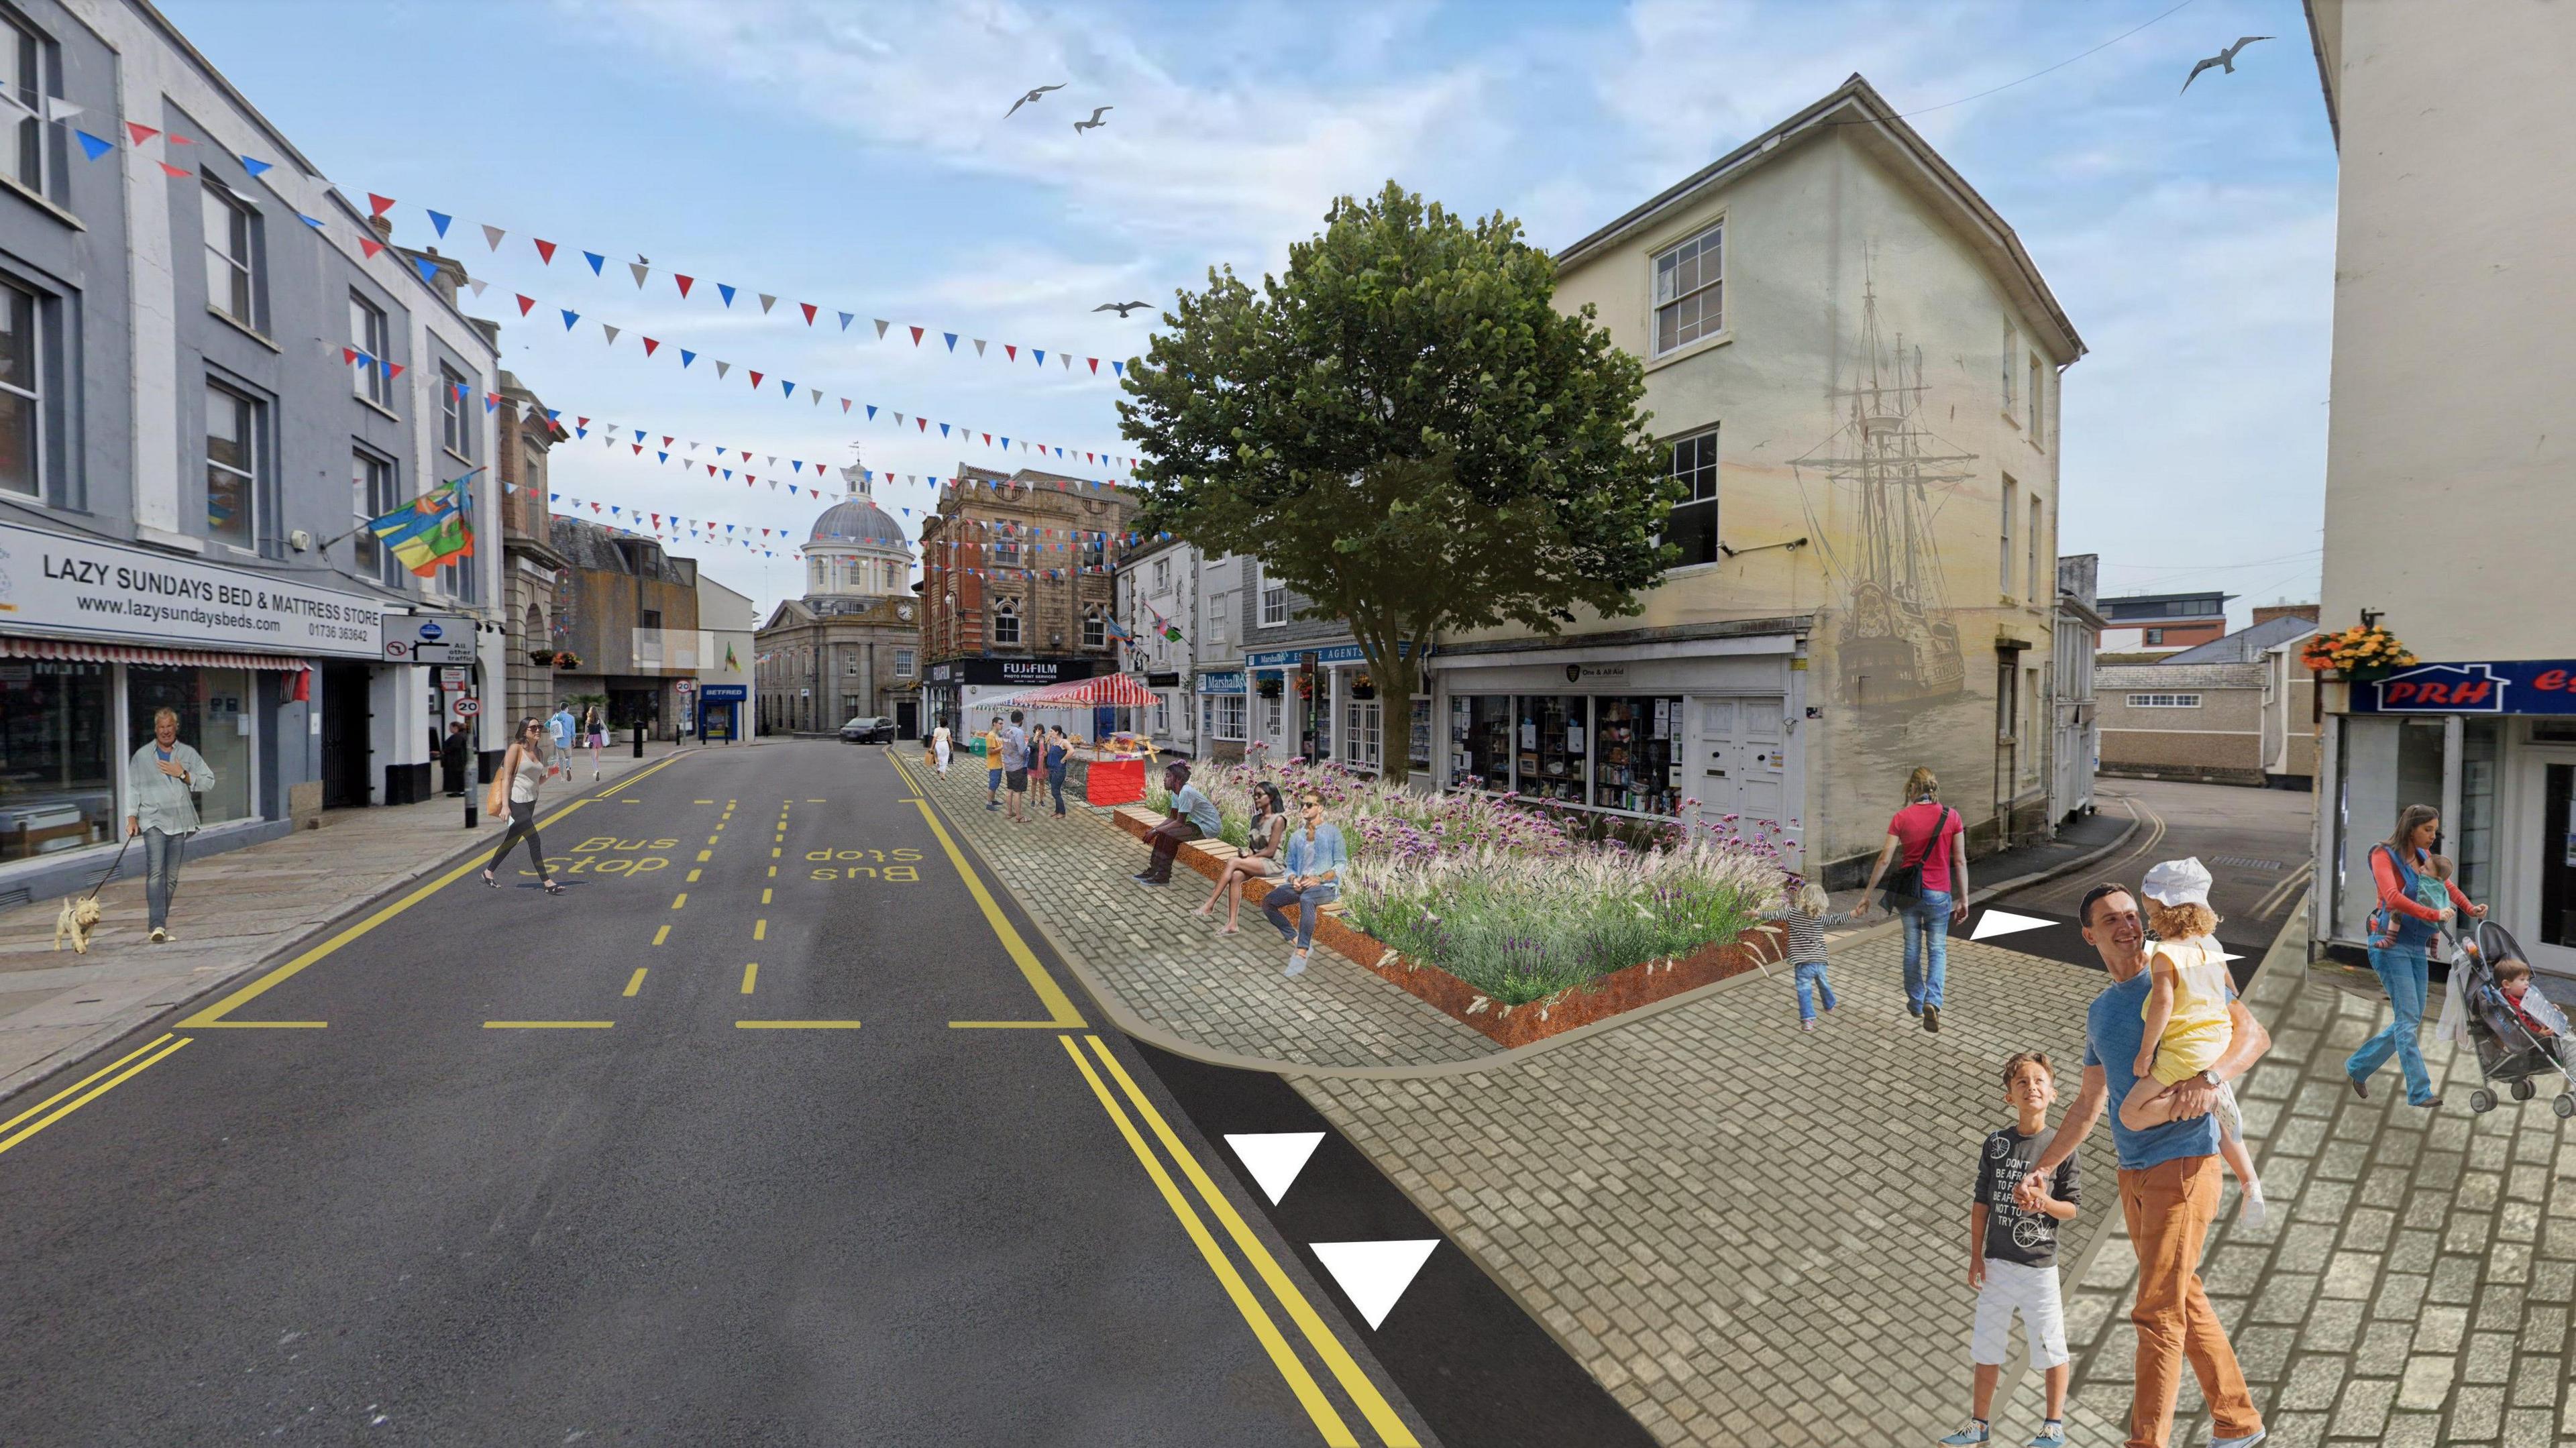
1055,781
1811,983
2402,971
161,853
1927,933
1307,902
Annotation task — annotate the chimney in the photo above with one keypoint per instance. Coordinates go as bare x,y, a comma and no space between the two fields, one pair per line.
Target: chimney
2265,613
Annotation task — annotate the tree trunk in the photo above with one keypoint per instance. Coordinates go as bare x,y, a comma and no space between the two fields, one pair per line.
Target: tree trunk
1394,675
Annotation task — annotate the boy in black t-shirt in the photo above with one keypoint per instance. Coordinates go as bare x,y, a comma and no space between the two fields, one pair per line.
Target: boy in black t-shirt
2012,1254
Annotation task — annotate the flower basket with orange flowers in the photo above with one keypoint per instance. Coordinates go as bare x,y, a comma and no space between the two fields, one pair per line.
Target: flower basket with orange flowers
2361,653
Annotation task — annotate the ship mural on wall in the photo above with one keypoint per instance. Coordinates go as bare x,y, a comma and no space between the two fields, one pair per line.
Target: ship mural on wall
1895,642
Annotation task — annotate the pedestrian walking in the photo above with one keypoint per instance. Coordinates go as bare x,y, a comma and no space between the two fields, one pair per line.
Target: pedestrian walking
1059,753
1807,916
1314,862
526,766
2185,1027
1260,858
596,726
1928,890
1192,816
993,765
163,781
939,743
2012,1257
1015,767
565,729
2169,1179
2402,929
453,751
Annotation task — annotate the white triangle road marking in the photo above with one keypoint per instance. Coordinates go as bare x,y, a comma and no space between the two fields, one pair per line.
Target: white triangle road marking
1275,1157
1374,1274
2003,922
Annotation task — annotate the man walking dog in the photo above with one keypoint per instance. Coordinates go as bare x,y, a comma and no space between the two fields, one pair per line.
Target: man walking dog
163,780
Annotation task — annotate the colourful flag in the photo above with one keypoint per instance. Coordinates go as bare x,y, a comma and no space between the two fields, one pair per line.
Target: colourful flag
430,530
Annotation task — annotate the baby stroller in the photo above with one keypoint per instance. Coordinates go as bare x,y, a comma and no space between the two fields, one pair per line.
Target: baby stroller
2477,1016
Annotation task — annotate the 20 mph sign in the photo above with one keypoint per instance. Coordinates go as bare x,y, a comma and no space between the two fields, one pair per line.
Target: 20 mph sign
467,708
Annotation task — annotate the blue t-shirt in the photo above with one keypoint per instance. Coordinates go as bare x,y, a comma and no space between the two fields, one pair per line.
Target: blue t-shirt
2113,1032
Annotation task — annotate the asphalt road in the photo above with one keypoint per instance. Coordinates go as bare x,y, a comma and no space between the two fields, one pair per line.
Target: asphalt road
696,1154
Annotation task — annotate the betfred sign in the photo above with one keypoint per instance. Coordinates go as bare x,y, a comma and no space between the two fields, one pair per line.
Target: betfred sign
2505,686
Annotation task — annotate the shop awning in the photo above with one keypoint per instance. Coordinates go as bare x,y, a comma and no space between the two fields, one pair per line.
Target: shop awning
1116,690
78,651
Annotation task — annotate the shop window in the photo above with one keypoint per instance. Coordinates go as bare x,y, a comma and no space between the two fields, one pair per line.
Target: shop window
235,448
1480,742
1692,526
2557,856
1418,747
1553,748
1361,724
374,341
2474,846
1229,716
22,397
217,713
58,758
1637,761
231,271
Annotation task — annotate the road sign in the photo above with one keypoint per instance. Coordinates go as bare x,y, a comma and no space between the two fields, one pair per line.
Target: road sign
468,707
398,650
426,638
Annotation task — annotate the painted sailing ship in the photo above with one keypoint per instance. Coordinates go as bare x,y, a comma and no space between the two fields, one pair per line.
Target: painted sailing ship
1896,643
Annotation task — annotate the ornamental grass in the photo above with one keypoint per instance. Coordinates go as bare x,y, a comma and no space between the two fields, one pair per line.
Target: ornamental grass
1515,898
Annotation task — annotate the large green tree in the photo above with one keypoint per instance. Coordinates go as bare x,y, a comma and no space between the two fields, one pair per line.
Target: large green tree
1405,430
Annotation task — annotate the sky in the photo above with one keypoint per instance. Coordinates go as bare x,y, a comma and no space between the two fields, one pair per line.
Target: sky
858,157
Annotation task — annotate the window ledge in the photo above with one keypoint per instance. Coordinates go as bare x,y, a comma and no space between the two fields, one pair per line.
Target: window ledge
37,199
1692,570
1691,348
2011,421
373,405
162,537
460,457
238,325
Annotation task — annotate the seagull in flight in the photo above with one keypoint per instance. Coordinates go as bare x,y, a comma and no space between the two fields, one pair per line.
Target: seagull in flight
1035,95
2225,60
1121,308
1081,126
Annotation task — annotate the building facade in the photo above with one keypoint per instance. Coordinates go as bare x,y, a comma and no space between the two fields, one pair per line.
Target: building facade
2147,624
530,566
201,397
1157,590
851,646
2075,741
1825,629
625,627
1016,586
2236,710
2450,490
728,624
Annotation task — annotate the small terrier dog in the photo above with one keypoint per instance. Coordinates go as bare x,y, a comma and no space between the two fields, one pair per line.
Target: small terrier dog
79,917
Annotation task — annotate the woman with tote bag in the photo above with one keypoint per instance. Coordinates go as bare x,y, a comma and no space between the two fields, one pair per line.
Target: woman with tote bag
522,770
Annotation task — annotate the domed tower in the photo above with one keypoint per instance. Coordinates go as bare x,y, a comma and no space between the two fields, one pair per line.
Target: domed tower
856,550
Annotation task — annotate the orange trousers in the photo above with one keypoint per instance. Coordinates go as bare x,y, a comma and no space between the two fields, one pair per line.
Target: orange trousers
2169,1207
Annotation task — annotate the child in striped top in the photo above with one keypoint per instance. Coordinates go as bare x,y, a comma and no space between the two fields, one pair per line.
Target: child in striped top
1807,918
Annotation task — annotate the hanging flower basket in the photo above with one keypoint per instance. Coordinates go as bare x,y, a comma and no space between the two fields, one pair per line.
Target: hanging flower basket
1363,687
1270,687
2360,654
567,659
542,658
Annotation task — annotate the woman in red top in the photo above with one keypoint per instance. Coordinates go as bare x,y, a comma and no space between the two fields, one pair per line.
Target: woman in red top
2397,866
1928,831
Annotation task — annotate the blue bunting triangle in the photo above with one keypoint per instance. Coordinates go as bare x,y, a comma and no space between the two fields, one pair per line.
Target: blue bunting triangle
570,317
595,260
687,357
872,412
428,268
1041,355
256,167
309,221
787,386
661,457
727,289
92,144
952,340
438,219
845,321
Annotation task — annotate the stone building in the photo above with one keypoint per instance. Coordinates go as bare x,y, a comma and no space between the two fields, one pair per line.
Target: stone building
628,612
851,646
530,565
1016,587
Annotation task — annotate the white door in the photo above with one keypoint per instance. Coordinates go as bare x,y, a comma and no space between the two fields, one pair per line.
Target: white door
1743,760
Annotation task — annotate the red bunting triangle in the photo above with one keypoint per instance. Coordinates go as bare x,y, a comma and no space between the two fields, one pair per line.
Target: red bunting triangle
809,312
685,282
925,423
1095,365
755,382
916,336
393,370
379,204
639,448
581,422
368,243
348,355
1012,349
666,442
711,470
525,302
545,249
140,132
988,439
649,345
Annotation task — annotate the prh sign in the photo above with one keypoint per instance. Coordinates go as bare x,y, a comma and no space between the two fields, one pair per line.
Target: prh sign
2500,686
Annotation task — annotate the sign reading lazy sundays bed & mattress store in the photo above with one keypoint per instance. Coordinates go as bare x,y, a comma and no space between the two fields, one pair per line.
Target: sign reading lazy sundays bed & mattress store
85,588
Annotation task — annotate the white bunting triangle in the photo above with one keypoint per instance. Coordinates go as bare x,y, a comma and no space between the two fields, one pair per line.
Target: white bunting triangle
766,302
2003,922
722,368
478,284
881,326
979,346
57,109
1374,1274
611,331
493,235
641,271
1275,1157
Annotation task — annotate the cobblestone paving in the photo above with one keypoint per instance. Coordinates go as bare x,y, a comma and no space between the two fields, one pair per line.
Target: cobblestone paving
2414,1282
1750,1235
1171,968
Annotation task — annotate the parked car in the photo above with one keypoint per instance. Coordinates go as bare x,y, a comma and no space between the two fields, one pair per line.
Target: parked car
868,729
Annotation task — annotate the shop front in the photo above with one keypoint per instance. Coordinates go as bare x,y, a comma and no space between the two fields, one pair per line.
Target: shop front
954,690
1641,733
720,712
1224,713
1320,703
97,637
2492,745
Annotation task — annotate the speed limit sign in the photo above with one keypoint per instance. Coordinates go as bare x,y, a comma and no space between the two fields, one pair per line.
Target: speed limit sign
468,708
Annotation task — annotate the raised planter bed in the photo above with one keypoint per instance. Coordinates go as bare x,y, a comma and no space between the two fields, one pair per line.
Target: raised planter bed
1607,996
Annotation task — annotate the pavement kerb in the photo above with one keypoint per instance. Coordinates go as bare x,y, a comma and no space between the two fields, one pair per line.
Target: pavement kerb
1126,1020
2281,956
196,990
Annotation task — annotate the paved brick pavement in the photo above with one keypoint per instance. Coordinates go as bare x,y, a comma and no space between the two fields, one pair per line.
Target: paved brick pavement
1750,1235
1173,970
2414,1283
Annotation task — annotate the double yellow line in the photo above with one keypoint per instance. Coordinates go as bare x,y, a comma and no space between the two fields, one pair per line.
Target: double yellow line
1363,1393
87,1089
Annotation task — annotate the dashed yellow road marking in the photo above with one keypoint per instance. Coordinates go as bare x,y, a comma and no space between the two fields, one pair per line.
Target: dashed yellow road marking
679,900
760,930
774,853
661,935
547,1025
693,877
773,870
705,855
635,982
702,801
764,894
795,1025
750,973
